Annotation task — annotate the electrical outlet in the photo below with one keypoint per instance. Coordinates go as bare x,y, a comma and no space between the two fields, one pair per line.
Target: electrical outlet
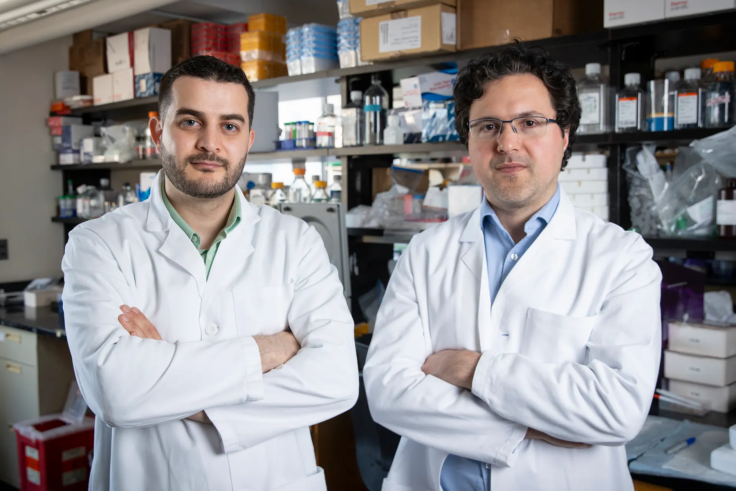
3,249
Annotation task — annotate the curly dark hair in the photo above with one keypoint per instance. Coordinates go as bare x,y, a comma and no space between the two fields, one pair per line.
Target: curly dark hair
517,60
206,68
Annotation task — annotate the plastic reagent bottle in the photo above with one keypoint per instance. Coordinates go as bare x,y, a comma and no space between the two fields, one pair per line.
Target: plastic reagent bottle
629,102
299,191
687,102
393,134
326,127
593,93
320,196
719,108
277,196
375,105
336,190
352,120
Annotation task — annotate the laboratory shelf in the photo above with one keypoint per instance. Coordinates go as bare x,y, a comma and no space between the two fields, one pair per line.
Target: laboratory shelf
102,109
289,154
398,149
135,164
675,137
69,221
697,245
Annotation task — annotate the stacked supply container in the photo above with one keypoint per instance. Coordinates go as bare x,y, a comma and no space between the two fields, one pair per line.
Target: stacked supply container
262,48
585,181
210,39
348,42
294,51
318,48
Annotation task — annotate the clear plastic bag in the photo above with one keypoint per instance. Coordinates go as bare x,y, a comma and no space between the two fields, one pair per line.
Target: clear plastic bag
687,207
119,142
644,216
719,151
402,206
438,121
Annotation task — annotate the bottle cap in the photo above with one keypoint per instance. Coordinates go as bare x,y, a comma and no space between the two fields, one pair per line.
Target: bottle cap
300,172
356,95
673,76
632,79
692,74
320,184
593,69
277,185
723,66
708,63
104,182
152,114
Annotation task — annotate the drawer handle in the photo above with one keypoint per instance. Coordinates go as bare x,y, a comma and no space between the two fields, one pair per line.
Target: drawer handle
12,367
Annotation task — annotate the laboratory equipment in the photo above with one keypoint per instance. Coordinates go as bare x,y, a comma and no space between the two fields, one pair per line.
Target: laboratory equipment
277,195
352,120
375,105
687,102
150,150
676,448
107,196
68,202
127,195
393,134
660,106
326,127
299,191
336,190
630,105
726,210
719,99
320,195
593,93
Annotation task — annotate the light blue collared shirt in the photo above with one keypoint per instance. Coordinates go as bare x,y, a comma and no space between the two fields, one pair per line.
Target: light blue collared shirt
458,473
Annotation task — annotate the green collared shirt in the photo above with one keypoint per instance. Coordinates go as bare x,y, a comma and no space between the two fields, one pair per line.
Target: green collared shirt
208,255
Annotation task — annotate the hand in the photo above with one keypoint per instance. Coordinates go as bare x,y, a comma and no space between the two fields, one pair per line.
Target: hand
532,434
200,417
276,349
137,324
456,367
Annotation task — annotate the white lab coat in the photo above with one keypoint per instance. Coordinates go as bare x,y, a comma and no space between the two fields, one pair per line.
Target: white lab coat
271,271
571,348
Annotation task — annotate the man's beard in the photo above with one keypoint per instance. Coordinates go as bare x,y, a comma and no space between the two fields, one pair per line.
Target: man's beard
175,171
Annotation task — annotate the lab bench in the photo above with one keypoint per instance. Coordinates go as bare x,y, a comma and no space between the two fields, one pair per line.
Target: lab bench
35,374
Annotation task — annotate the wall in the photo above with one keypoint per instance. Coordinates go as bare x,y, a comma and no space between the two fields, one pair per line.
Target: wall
28,187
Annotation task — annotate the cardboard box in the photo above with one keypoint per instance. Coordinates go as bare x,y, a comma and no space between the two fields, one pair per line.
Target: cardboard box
626,12
408,32
483,23
583,175
94,56
700,339
681,8
123,85
72,136
152,50
83,37
68,157
721,399
439,84
372,8
587,161
120,52
56,121
718,372
180,39
102,89
148,84
66,84
76,58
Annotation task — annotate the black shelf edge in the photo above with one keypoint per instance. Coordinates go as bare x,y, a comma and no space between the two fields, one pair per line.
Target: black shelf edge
670,25
704,245
397,149
103,108
676,136
136,164
289,154
69,221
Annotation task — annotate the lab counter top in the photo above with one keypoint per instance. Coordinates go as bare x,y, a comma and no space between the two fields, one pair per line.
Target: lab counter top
40,320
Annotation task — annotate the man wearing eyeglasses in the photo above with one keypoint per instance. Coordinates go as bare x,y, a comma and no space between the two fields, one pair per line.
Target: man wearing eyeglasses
517,346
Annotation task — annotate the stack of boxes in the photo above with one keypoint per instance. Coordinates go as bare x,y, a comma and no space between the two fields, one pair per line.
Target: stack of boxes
429,107
67,134
700,364
348,42
209,39
585,181
262,48
152,58
311,48
626,12
87,56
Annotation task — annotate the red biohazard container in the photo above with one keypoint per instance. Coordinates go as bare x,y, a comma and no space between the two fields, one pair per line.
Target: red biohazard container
53,454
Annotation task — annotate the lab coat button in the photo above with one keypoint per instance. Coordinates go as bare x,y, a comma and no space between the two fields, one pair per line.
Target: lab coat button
210,329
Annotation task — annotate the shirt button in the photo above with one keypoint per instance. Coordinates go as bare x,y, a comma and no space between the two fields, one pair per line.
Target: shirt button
488,466
514,257
210,329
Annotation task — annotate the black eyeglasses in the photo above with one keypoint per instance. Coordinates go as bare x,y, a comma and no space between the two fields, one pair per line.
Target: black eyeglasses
525,127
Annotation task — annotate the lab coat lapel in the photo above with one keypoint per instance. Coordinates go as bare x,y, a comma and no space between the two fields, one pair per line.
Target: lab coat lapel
474,258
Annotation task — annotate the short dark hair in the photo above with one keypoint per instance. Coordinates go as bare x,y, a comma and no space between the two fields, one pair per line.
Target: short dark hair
206,68
517,60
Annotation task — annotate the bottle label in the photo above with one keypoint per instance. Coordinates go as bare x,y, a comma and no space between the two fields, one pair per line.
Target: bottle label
325,133
628,112
720,99
687,108
591,105
726,212
372,108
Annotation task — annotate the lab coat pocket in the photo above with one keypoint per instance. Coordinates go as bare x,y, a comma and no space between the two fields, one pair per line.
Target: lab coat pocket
553,338
315,482
261,310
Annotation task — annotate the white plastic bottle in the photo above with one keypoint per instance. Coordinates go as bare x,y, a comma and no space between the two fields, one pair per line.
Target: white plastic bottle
299,191
336,190
326,128
277,196
687,103
630,105
593,93
352,120
393,134
320,196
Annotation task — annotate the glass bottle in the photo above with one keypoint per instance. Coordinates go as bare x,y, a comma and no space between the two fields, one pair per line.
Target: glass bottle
126,195
82,201
94,202
277,195
150,150
375,105
261,193
326,127
352,120
320,196
593,93
687,102
109,196
660,106
336,190
707,77
726,210
719,103
299,191
71,199
629,105
393,134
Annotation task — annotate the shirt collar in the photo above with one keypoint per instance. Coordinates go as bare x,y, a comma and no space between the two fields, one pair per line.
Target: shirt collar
544,215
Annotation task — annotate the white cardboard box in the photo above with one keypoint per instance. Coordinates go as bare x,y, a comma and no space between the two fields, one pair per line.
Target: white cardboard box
120,52
66,84
581,200
123,85
699,339
583,175
587,161
584,187
437,83
724,459
681,8
40,298
718,372
152,50
463,198
721,399
626,12
102,89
